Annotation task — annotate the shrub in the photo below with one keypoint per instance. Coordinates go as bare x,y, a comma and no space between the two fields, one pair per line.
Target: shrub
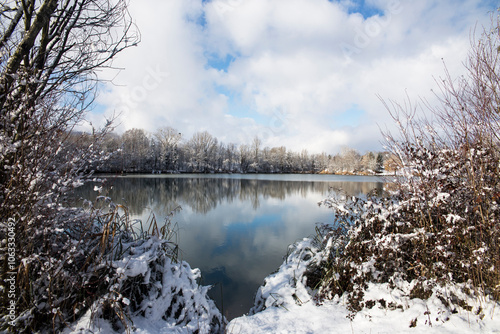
111,267
440,225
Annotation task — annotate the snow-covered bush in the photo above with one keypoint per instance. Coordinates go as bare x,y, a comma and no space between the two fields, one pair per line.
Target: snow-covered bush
289,285
440,224
440,227
100,264
145,280
289,301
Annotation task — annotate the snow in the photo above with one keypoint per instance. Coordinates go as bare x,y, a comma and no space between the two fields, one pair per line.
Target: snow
284,304
141,325
172,303
290,307
332,317
440,198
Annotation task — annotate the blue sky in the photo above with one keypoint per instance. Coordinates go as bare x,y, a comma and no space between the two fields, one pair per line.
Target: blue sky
305,74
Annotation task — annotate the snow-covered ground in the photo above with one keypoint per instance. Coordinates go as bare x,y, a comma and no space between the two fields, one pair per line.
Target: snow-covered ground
289,307
332,317
284,304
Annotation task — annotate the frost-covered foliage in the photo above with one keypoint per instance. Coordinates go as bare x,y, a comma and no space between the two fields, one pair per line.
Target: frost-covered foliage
43,242
107,269
288,285
52,257
166,151
60,262
440,227
288,302
147,283
440,224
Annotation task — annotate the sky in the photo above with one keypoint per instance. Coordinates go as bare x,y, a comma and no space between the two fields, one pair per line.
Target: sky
305,74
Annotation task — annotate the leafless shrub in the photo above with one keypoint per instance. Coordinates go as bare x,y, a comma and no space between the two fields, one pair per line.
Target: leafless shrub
441,226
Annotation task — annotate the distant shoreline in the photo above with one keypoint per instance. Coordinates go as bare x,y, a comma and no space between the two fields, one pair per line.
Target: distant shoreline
242,173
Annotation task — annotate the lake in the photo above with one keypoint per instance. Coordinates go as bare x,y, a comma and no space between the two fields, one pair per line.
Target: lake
235,227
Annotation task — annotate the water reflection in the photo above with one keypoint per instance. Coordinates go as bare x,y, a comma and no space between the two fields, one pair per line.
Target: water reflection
235,228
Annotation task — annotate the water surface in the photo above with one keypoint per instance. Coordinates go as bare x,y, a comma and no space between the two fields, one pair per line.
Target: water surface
235,228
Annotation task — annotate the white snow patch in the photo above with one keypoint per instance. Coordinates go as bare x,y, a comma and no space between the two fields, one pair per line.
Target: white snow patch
174,304
440,198
289,307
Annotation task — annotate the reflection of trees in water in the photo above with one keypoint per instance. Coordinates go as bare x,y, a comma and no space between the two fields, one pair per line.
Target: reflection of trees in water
136,193
162,195
203,195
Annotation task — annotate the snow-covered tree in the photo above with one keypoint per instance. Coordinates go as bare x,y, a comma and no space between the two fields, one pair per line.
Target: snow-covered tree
256,148
136,147
168,139
202,148
59,262
50,52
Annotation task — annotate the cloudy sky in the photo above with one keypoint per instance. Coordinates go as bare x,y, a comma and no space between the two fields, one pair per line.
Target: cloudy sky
305,74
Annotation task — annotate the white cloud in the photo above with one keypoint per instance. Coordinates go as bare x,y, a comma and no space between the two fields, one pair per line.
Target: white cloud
299,67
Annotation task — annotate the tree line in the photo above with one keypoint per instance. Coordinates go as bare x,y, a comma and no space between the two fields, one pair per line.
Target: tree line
167,151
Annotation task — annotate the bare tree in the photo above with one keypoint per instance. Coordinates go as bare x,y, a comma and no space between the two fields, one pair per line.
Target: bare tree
245,158
169,139
256,144
202,148
469,110
369,162
231,157
470,105
136,147
50,52
279,161
320,162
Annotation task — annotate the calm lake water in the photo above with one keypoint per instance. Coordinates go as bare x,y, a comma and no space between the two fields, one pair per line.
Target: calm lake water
235,228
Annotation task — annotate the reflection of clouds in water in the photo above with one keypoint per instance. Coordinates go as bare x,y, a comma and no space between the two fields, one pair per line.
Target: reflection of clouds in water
251,251
236,230
248,250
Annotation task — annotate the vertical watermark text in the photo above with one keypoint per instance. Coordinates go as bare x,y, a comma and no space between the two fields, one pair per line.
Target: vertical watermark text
10,275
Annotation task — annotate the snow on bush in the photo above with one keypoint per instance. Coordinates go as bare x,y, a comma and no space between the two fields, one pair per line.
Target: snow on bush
439,225
149,287
430,246
290,301
440,228
289,284
106,270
